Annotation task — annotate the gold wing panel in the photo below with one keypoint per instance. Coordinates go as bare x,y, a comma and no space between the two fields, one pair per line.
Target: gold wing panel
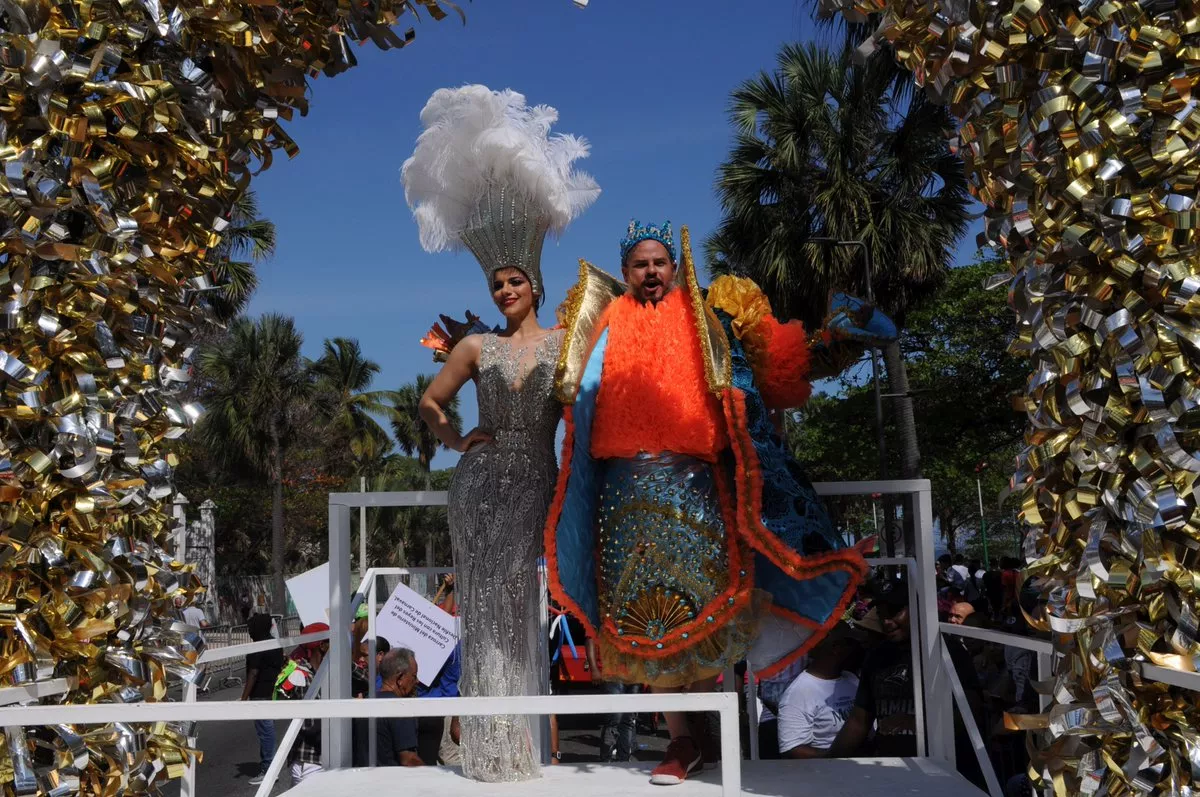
580,313
718,369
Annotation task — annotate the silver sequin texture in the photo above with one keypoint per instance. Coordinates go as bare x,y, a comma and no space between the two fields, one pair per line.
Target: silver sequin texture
497,505
506,231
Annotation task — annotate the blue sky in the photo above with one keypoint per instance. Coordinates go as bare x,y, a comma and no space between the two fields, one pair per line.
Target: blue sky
647,83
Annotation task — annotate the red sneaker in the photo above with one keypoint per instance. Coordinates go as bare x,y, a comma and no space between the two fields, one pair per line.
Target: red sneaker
683,757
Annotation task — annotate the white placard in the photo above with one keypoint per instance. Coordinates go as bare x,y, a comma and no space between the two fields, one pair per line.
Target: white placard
407,620
310,594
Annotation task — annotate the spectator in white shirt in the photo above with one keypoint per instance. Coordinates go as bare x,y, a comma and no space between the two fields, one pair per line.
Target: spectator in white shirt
815,706
194,615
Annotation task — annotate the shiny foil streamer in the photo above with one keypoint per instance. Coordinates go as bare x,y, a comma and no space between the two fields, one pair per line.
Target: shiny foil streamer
127,132
1080,128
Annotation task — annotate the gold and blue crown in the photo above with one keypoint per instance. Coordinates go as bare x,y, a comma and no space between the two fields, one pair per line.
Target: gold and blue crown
639,232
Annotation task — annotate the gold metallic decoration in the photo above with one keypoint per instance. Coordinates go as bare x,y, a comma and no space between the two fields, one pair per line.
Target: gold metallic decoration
718,367
1080,128
127,132
579,315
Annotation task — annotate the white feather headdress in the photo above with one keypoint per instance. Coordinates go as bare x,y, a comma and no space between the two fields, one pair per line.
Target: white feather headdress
487,175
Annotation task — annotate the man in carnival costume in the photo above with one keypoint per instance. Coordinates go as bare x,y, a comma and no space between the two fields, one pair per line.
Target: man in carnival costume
681,533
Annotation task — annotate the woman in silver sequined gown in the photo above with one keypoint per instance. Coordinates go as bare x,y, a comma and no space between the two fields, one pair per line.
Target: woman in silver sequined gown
498,501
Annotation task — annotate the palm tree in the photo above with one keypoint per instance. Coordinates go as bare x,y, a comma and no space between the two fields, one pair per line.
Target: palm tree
249,239
825,148
258,391
343,377
412,434
414,437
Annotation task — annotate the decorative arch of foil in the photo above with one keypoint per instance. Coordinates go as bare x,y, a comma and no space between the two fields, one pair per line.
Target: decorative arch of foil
1080,130
128,128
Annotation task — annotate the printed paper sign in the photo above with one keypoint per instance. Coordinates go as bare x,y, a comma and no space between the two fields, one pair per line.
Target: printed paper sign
310,595
409,621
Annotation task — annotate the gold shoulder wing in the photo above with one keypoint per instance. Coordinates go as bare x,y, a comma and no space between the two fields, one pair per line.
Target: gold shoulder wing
579,315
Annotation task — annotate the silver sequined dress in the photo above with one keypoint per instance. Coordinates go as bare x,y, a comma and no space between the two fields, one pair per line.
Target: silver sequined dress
497,506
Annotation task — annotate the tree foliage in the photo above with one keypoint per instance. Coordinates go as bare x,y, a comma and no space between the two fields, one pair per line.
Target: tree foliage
825,148
955,349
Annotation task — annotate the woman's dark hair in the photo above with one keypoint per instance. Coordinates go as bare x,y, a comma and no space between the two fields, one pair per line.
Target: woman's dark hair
382,645
259,626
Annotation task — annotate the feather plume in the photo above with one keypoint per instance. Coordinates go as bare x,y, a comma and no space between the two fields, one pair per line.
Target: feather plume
475,139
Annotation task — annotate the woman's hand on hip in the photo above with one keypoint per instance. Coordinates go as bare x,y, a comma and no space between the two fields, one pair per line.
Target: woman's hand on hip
475,437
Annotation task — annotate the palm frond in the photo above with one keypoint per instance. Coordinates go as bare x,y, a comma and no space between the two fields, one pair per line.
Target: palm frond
824,147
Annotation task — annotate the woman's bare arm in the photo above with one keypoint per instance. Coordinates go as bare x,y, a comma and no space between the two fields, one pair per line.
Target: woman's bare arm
460,367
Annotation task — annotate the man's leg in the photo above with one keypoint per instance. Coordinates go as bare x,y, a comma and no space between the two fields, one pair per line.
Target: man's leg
609,726
627,730
677,723
266,742
683,754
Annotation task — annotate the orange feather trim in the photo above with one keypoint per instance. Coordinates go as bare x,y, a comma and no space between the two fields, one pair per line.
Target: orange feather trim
550,533
819,631
779,356
654,395
749,485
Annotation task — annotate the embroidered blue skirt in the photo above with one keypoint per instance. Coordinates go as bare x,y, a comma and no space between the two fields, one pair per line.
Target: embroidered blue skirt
672,611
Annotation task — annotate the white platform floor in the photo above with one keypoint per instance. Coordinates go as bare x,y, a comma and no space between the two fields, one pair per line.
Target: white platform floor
849,777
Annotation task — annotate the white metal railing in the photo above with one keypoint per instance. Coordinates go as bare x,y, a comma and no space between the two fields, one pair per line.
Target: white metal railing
726,704
935,693
13,695
922,594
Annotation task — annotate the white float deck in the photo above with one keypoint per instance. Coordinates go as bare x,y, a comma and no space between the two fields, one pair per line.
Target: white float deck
847,777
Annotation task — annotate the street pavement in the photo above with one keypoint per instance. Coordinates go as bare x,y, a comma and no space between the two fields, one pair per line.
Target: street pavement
231,751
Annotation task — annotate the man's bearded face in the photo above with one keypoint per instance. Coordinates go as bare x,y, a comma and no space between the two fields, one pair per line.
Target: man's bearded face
649,271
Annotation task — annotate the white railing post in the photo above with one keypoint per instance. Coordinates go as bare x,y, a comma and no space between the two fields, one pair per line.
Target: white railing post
1045,668
964,708
337,753
187,784
369,578
752,716
939,703
915,601
543,722
731,748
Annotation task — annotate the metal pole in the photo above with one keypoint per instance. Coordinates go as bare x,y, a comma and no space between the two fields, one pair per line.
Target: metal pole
362,530
338,751
371,649
880,438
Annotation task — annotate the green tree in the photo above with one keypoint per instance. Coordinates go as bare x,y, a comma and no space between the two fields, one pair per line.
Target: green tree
343,378
413,435
393,531
955,346
258,391
249,239
415,438
825,148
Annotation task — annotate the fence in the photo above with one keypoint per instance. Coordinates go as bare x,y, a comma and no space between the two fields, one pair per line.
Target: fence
938,688
222,672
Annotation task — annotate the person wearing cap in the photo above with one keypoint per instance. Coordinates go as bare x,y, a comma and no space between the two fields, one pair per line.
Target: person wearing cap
884,698
815,706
